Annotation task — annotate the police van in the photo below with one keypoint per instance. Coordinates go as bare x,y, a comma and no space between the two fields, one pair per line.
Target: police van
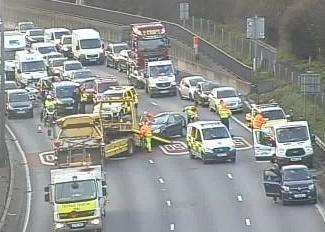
30,67
210,141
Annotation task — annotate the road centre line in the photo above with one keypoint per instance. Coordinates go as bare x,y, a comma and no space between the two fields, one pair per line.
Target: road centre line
239,198
230,176
154,103
248,222
161,180
169,203
151,162
172,227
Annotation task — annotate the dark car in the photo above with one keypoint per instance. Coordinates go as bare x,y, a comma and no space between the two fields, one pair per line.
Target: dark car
202,91
168,124
65,94
292,183
19,104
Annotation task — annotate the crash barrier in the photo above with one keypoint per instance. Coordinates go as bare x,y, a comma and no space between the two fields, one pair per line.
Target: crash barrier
182,54
119,18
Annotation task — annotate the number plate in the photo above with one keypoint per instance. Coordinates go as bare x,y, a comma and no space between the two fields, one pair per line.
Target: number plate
222,155
69,107
295,159
164,91
21,112
77,225
300,195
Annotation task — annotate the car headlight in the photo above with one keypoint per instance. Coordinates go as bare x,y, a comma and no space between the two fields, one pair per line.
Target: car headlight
208,150
173,83
30,106
285,188
59,225
311,186
95,221
309,150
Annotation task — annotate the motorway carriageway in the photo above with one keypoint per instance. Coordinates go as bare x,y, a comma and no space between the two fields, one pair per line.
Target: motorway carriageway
158,192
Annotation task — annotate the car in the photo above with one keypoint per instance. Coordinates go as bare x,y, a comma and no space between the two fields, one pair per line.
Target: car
168,124
54,35
44,49
202,92
24,26
80,75
88,84
230,97
102,84
272,112
55,66
112,53
187,86
210,141
69,67
291,183
32,91
123,62
10,85
18,103
52,55
35,35
65,46
64,92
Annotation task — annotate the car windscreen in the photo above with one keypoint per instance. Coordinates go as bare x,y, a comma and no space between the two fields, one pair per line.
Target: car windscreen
215,133
32,66
65,91
118,48
26,26
151,44
73,66
274,114
10,85
82,75
67,40
226,93
103,86
193,82
58,63
297,174
45,50
69,192
36,32
292,134
208,86
114,95
59,34
161,119
18,97
161,70
90,43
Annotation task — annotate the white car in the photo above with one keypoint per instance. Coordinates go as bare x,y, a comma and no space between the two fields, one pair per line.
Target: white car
230,97
69,67
45,49
188,85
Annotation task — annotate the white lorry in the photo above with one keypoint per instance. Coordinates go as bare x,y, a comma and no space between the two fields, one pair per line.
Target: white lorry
287,142
78,198
87,46
30,67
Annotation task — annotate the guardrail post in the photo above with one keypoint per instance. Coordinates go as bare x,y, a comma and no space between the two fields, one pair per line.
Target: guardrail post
201,26
222,36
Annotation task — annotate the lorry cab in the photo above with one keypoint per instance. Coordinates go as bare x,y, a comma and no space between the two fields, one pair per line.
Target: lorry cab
290,143
272,112
292,183
87,46
160,78
30,67
78,196
210,141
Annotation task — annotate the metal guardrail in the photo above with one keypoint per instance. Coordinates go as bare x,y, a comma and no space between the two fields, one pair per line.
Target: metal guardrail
119,18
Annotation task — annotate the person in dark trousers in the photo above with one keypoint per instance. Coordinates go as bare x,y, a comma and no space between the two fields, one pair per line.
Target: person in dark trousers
224,113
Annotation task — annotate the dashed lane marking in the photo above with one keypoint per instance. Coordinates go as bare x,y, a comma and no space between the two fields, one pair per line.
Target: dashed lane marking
161,180
154,103
241,143
169,203
175,148
172,227
47,158
151,162
248,222
230,176
239,198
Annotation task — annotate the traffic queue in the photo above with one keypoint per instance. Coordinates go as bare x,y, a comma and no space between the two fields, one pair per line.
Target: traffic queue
49,68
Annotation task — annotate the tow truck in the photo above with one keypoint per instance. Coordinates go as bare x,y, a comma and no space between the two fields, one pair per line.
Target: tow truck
78,198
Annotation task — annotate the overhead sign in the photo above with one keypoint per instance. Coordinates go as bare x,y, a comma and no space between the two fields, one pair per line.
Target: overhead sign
255,28
184,11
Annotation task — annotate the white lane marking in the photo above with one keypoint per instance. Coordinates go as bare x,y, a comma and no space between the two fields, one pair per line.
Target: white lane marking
28,182
161,180
239,198
172,227
154,103
169,203
151,162
12,214
175,148
119,158
229,175
321,211
241,123
49,155
248,222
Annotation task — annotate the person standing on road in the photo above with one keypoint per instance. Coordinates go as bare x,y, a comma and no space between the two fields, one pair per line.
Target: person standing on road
192,113
83,101
146,134
224,113
258,121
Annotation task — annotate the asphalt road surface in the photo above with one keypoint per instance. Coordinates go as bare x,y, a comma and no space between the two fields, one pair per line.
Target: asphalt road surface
161,192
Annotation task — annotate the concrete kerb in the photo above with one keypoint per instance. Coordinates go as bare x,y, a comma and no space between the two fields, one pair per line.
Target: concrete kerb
9,195
28,182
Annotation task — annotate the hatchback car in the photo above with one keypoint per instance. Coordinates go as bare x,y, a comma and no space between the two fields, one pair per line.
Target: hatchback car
230,97
169,124
187,86
202,92
19,104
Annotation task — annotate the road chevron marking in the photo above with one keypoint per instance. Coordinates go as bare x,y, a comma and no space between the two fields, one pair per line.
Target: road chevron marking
49,155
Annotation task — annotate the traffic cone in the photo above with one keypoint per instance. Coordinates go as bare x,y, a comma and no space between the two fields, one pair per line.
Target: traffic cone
39,129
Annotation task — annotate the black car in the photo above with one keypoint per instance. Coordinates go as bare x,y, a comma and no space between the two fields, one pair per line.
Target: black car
18,104
65,94
202,91
292,183
168,124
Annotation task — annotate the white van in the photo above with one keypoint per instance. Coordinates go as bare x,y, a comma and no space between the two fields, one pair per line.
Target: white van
54,35
30,67
87,46
13,41
289,142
